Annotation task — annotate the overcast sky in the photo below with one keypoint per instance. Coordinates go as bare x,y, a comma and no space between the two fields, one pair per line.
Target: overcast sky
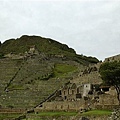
92,28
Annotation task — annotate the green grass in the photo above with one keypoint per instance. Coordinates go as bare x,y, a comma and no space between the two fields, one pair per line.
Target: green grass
8,115
43,115
16,87
96,112
63,69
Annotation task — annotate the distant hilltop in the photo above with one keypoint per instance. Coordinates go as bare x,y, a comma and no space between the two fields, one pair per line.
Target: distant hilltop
47,46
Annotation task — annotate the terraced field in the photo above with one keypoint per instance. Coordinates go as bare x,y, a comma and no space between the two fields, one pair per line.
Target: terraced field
24,84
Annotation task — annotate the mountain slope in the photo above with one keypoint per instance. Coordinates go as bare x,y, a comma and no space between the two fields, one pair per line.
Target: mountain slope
44,45
32,68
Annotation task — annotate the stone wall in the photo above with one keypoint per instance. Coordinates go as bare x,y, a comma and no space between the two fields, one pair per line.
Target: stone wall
62,106
107,99
69,117
113,58
106,107
93,78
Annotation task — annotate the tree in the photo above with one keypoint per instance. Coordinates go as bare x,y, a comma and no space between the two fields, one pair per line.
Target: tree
110,74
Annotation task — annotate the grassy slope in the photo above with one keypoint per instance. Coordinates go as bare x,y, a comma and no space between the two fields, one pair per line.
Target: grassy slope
9,116
67,115
96,112
61,113
45,45
62,69
44,115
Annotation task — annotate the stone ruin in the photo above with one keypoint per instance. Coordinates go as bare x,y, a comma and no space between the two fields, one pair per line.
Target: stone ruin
79,97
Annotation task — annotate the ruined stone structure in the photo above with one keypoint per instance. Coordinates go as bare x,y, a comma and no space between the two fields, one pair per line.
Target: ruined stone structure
80,92
60,105
109,98
77,97
89,75
32,51
74,92
14,56
113,58
71,92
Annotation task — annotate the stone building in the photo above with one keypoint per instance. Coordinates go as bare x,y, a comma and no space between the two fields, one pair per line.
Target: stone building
74,92
76,97
71,92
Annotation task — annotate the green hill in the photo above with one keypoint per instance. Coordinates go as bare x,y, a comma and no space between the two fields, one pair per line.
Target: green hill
32,68
44,45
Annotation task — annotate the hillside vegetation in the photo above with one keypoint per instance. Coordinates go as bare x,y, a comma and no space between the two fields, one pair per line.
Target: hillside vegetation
29,78
44,45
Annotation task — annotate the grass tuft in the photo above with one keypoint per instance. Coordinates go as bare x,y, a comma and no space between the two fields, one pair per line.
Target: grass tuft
96,112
